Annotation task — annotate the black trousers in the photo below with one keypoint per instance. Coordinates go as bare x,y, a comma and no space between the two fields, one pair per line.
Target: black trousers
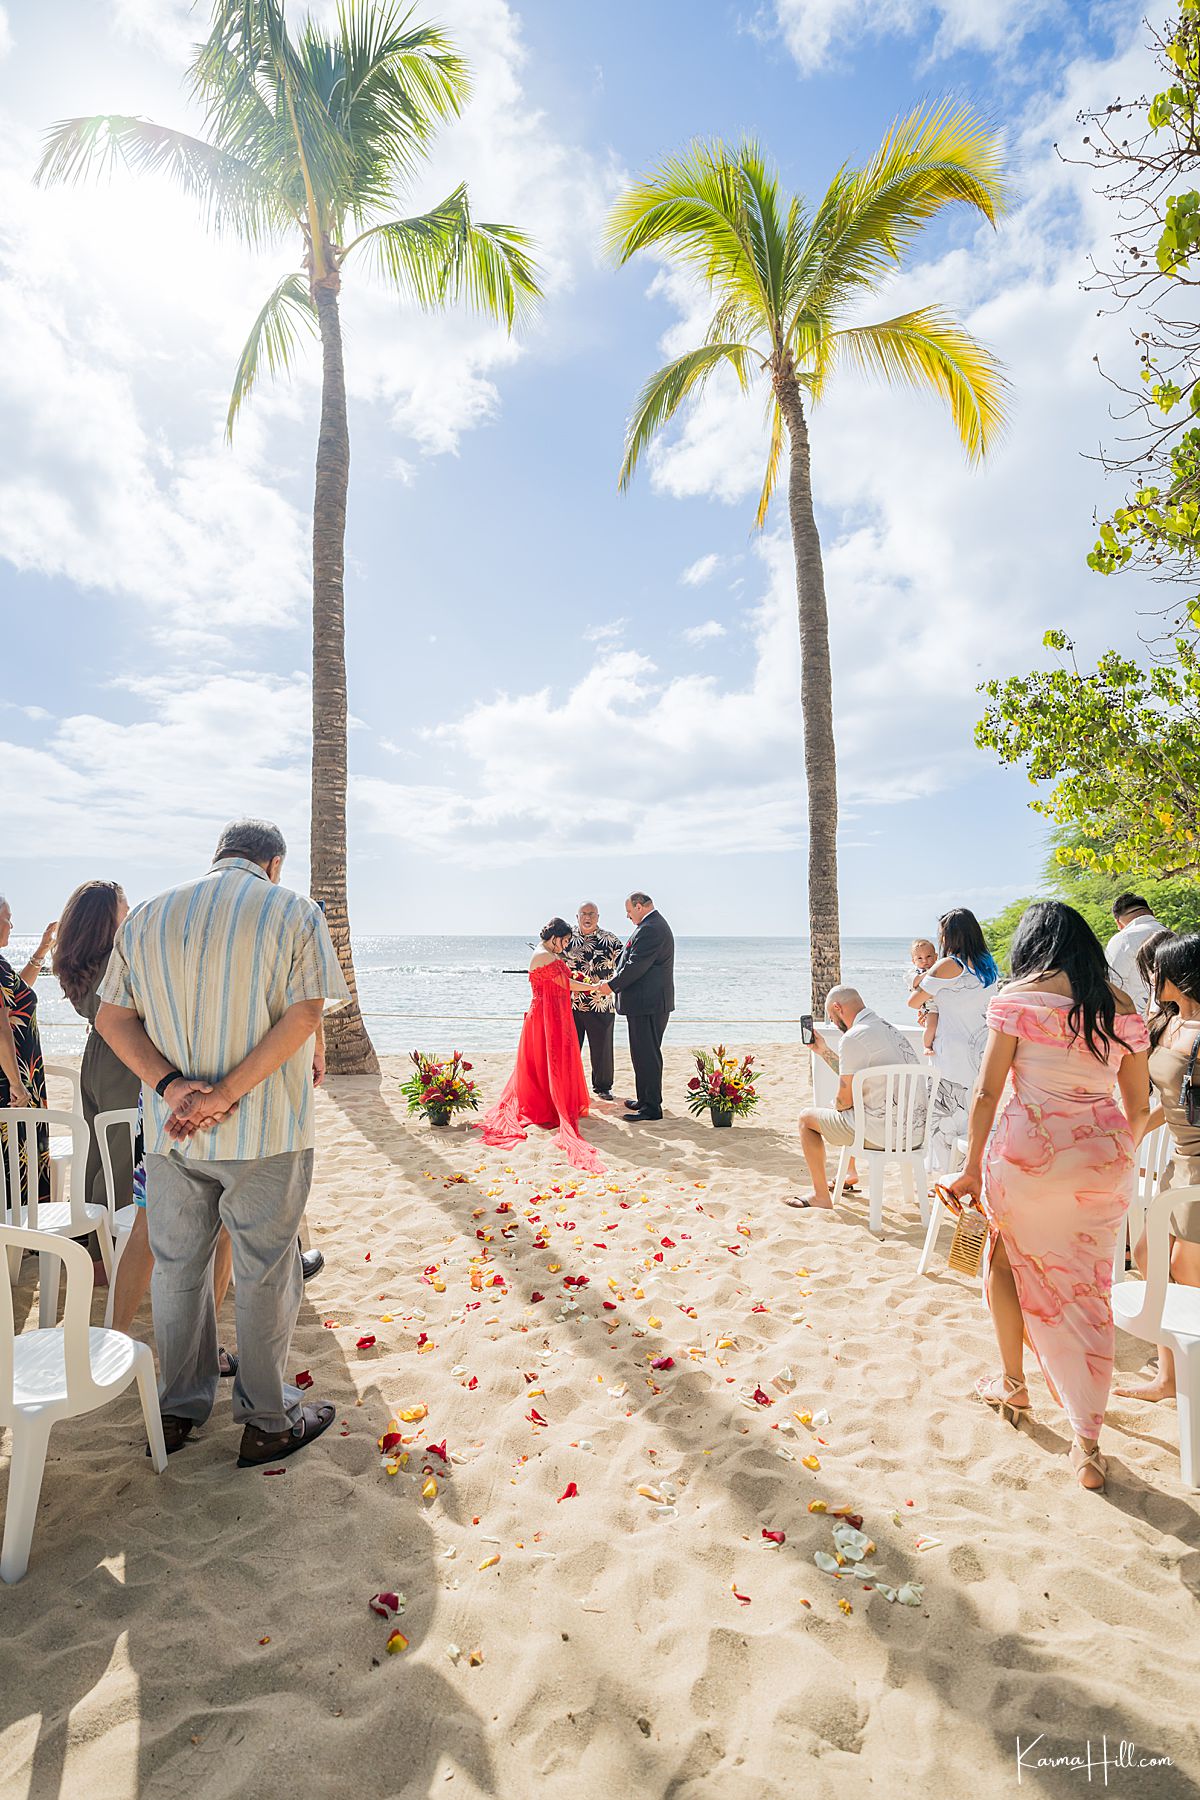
597,1028
645,1052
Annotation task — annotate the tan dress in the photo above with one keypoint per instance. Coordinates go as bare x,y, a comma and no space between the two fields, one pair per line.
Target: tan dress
1168,1064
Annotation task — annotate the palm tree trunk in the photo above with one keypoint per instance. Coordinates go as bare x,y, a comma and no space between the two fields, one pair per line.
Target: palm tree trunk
816,694
348,1049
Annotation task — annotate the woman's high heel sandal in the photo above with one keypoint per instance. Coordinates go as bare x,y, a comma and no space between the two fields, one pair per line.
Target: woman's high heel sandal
998,1391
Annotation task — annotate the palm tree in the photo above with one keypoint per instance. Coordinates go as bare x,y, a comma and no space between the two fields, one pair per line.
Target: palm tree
785,283
312,137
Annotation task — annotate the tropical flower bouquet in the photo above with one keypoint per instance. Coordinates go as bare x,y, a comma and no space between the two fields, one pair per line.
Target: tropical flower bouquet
723,1086
441,1086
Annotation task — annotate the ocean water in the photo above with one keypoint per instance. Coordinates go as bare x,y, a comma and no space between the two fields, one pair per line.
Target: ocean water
445,993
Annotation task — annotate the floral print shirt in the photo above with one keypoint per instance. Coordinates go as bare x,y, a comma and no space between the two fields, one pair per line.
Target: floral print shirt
593,958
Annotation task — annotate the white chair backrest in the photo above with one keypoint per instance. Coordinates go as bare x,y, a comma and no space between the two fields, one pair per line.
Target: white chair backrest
68,1072
1146,1322
127,1119
76,1312
1154,1155
903,1092
22,1127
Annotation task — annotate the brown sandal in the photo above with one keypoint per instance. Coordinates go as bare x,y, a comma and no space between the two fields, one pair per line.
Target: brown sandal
259,1446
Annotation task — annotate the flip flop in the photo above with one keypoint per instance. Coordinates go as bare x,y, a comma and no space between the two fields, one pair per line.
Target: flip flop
176,1432
258,1447
227,1364
807,1202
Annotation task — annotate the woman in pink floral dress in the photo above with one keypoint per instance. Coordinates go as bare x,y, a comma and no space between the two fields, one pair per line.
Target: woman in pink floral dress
1059,1167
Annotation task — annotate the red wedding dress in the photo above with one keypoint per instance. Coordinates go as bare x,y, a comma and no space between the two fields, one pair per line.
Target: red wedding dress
547,1087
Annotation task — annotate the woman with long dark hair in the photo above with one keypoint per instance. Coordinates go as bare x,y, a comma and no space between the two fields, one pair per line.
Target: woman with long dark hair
1174,979
1059,1167
86,933
959,986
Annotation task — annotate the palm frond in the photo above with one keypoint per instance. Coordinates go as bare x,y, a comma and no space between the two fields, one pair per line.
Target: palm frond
766,232
398,81
272,341
445,255
249,69
231,195
693,208
930,349
934,157
667,389
774,456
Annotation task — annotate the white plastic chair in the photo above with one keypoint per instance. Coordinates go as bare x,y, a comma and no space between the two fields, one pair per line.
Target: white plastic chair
1154,1156
61,1148
1163,1311
938,1216
906,1103
71,1218
121,1219
59,1373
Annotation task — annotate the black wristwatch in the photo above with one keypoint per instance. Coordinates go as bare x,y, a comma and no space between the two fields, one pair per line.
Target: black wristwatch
160,1087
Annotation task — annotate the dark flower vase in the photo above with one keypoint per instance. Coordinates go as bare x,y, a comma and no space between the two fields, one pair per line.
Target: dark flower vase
439,1116
722,1120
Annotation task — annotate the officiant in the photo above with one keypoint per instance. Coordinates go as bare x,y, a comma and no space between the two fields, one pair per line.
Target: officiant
592,955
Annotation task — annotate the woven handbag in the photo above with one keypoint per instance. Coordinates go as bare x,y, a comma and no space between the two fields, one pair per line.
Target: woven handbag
970,1238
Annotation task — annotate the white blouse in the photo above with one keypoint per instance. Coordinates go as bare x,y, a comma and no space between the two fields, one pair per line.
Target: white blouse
962,1003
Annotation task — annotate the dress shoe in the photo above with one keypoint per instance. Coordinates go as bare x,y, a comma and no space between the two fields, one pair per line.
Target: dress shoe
312,1262
634,1105
602,1093
642,1112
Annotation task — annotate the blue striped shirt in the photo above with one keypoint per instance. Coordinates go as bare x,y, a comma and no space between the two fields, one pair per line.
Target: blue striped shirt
209,967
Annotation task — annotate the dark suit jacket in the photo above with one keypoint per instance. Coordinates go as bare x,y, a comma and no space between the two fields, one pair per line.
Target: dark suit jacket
644,978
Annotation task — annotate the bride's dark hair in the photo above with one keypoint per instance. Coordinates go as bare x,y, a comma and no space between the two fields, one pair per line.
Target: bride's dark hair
556,928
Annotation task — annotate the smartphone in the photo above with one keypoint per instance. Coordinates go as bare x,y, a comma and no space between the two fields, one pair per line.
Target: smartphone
806,1029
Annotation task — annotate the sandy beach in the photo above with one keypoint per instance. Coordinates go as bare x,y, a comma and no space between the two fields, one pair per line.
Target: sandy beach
590,1602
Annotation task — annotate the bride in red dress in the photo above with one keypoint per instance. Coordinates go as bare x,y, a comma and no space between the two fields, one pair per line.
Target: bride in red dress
547,1087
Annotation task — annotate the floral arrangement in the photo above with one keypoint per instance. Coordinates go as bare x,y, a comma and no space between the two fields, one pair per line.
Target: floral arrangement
441,1086
723,1085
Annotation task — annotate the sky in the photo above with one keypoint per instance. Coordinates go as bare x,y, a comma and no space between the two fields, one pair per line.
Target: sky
557,692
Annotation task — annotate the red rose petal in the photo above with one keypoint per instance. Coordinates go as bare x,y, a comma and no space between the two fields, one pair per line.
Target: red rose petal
663,1362
365,1343
570,1492
742,1599
391,1440
609,1305
775,1537
437,1450
535,1417
385,1605
763,1399
304,1379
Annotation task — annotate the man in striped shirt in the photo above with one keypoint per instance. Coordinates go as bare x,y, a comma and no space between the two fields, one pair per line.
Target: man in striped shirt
214,995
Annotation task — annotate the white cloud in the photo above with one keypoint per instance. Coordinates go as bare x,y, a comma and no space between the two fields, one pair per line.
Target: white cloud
202,750
815,30
702,570
607,635
699,635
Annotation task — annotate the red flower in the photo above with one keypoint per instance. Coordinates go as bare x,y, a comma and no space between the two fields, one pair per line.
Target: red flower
468,1065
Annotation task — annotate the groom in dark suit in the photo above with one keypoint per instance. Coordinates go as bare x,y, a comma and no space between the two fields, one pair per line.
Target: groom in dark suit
644,984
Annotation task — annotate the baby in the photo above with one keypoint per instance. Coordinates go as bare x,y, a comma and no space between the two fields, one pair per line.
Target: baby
924,955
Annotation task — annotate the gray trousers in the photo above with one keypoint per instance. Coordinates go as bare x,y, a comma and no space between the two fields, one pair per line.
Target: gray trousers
260,1202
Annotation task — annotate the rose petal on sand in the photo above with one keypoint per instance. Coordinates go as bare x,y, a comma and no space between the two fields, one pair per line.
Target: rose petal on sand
775,1537
570,1492
385,1605
396,1642
304,1379
742,1599
365,1343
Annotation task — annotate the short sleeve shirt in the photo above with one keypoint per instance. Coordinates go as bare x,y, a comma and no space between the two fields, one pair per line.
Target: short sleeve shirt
209,967
593,958
870,1043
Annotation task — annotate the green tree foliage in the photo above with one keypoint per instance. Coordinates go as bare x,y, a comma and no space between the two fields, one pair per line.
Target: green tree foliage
1121,743
1174,900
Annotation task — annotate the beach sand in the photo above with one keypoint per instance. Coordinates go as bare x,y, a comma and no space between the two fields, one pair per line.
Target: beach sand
207,1633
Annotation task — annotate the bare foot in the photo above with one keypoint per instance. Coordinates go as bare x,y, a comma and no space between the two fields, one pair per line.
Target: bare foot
1158,1389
